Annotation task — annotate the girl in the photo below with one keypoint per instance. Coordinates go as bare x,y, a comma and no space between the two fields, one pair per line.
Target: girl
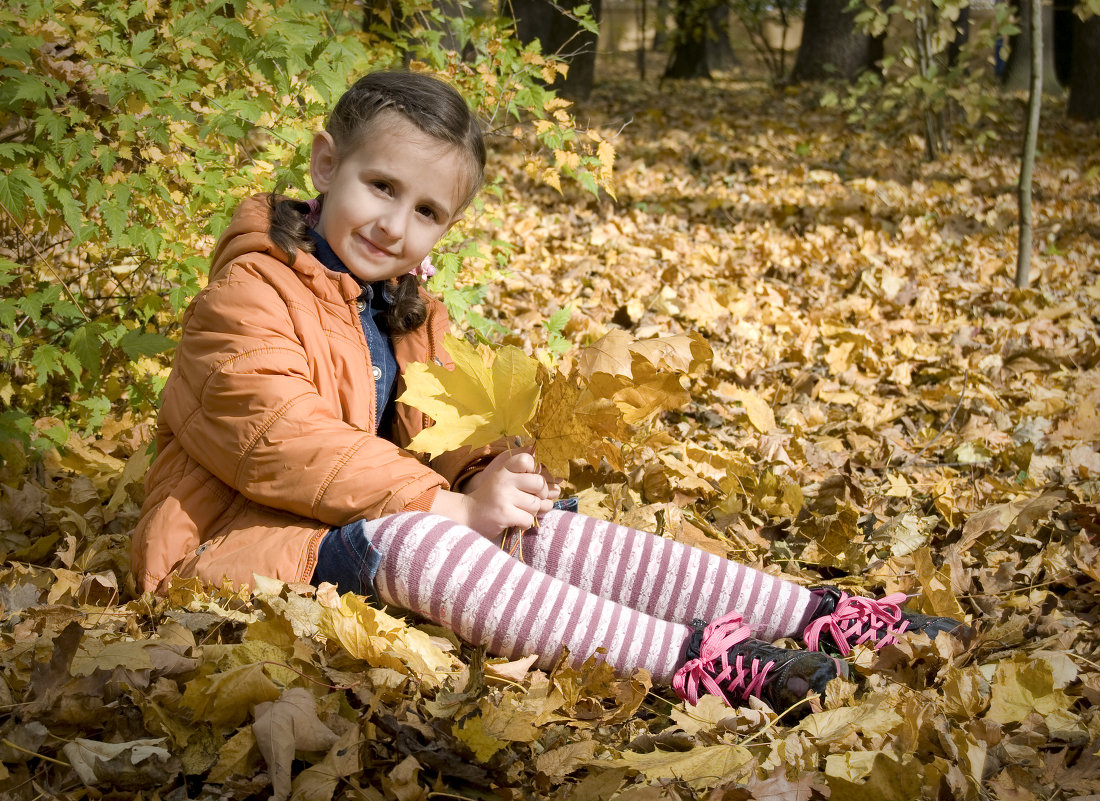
280,444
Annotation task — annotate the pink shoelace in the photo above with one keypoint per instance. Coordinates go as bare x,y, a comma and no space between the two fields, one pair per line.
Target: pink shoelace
857,620
740,680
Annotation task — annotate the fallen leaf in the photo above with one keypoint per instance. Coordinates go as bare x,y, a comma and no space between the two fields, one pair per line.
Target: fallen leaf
137,763
283,728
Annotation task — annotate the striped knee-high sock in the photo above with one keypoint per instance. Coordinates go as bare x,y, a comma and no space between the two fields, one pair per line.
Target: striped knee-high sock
663,578
457,578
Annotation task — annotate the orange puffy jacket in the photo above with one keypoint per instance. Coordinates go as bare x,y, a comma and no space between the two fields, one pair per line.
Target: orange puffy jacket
266,437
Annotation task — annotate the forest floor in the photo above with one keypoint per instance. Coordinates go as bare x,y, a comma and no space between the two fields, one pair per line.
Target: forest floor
883,410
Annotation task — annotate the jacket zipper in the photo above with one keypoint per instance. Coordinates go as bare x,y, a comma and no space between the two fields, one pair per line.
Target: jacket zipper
356,315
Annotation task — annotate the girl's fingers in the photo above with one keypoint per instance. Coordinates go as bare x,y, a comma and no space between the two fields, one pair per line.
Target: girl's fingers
522,462
530,483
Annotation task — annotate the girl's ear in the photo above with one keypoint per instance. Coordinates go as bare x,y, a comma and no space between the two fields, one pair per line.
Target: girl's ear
322,161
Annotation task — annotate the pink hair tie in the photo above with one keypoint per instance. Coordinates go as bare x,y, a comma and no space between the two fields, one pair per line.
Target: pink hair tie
424,270
314,215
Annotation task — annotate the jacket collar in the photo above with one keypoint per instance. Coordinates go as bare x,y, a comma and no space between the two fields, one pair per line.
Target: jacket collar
247,233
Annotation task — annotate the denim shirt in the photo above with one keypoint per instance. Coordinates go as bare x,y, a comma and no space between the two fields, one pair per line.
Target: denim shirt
374,303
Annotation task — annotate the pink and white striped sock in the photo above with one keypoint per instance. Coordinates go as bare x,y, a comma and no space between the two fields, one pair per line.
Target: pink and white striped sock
663,578
457,578
588,584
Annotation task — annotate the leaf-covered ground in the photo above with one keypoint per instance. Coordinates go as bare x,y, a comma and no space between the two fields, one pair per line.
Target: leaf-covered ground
883,410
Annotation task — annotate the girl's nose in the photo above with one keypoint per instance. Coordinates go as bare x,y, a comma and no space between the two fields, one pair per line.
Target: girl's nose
392,223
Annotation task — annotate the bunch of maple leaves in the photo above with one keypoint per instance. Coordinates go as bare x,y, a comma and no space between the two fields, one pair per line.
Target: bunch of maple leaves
796,346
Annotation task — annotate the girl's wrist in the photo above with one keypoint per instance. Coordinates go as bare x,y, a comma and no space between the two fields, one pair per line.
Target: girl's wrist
452,505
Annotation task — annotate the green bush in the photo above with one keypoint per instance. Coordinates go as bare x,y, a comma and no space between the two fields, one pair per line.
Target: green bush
921,88
129,127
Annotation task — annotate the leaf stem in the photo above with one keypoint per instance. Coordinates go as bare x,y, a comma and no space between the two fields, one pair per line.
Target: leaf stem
951,419
10,744
310,678
46,262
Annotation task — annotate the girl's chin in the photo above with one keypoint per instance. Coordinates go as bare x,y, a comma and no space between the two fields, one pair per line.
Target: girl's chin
371,274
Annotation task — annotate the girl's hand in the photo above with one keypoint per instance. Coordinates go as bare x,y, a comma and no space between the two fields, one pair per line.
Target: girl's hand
511,491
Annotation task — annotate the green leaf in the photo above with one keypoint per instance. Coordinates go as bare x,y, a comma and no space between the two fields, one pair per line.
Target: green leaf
87,345
140,343
31,88
47,361
116,217
558,319
15,186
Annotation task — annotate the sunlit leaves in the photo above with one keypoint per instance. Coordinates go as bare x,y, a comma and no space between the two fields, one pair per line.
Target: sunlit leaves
617,383
488,395
370,634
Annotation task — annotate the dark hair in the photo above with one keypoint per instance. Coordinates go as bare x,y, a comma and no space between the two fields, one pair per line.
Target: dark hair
430,104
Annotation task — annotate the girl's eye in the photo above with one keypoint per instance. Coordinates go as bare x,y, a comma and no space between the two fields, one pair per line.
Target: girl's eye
381,186
427,211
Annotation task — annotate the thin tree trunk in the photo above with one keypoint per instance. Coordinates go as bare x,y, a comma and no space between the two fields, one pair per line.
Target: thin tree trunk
1027,165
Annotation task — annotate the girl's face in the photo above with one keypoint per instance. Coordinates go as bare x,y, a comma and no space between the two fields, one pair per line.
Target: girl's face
388,201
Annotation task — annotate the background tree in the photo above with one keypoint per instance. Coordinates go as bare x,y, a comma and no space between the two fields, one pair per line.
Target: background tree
720,54
756,16
688,57
566,28
833,45
931,77
1031,135
1017,74
1084,95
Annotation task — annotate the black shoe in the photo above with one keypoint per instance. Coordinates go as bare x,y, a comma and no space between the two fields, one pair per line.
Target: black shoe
843,621
725,661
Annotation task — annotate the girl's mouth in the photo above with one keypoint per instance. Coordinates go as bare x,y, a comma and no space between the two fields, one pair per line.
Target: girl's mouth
374,249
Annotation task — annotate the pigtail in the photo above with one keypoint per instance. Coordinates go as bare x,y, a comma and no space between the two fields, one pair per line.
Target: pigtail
289,229
407,308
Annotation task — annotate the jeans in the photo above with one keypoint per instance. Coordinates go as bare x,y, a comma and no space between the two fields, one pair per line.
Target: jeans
347,559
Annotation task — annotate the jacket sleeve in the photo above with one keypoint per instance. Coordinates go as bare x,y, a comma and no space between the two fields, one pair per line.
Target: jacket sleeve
244,399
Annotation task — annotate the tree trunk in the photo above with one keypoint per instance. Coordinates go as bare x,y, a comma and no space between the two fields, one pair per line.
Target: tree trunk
1084,80
689,40
1065,28
720,55
832,46
559,34
660,28
1017,74
1027,160
962,36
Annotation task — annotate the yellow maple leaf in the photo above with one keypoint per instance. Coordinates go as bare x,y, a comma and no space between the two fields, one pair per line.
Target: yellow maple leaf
759,412
1024,685
488,395
376,637
560,434
701,767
